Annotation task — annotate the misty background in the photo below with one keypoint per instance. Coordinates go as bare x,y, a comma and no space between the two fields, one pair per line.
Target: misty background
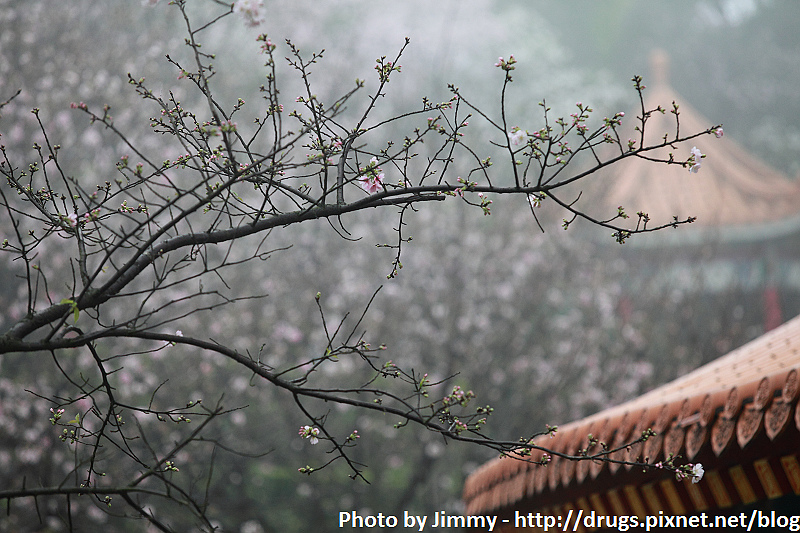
545,327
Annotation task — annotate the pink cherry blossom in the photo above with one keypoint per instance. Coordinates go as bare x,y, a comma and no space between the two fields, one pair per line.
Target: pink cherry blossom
251,10
373,183
517,137
310,433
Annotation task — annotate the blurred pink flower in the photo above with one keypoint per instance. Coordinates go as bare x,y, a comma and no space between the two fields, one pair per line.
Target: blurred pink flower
251,10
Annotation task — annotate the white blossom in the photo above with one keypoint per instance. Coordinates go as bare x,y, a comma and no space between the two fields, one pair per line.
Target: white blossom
518,137
697,473
695,160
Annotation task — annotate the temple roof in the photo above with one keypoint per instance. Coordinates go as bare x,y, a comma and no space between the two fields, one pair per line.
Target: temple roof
733,189
733,413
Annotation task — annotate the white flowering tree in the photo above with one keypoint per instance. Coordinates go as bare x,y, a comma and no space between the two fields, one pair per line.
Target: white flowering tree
130,280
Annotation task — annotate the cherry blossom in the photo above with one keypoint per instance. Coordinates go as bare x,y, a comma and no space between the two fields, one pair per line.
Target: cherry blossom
251,10
310,433
506,65
695,160
372,184
518,137
372,181
697,473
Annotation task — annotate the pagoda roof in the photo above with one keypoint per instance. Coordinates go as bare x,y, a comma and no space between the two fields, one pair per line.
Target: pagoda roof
735,415
734,194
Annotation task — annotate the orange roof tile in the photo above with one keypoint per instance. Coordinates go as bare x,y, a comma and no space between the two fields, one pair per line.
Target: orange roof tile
713,413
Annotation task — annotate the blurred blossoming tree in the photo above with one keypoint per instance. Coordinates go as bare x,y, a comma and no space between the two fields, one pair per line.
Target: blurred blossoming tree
138,310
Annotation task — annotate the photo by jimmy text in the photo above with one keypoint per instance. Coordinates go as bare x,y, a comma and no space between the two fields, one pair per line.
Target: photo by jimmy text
440,519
